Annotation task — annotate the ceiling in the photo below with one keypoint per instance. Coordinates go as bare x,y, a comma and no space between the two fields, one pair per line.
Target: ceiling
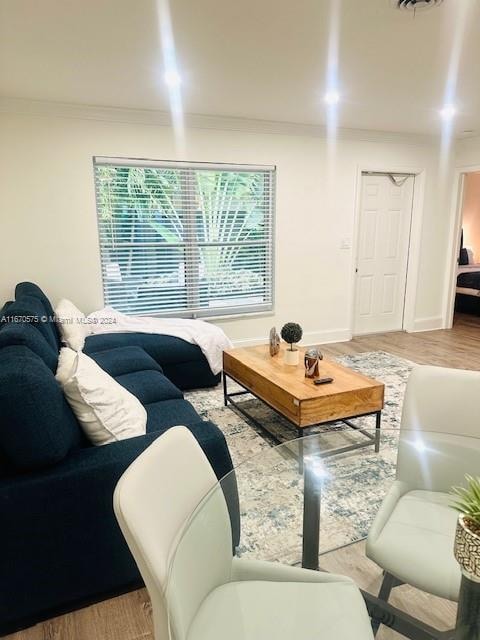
255,59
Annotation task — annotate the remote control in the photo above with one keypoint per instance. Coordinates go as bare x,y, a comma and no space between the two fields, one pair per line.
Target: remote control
322,380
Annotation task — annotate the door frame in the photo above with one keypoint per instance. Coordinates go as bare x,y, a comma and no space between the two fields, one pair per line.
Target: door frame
416,222
456,219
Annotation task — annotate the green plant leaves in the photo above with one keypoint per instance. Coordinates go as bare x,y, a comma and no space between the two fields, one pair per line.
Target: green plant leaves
467,499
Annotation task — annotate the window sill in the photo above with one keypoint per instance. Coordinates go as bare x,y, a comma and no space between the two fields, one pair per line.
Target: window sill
239,316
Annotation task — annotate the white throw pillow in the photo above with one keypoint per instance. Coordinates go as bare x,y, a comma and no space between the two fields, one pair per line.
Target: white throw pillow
72,324
106,411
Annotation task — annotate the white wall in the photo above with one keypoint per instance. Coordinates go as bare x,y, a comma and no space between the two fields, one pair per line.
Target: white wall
48,219
468,152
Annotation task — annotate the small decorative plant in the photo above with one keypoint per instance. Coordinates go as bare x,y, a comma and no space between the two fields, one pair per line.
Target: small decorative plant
292,333
467,534
467,502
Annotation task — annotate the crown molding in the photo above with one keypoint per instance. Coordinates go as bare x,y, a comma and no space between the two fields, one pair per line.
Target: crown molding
148,117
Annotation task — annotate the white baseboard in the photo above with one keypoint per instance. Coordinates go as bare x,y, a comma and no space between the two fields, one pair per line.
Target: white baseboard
309,338
427,324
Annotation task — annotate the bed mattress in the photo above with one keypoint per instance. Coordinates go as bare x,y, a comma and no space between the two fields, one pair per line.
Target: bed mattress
468,280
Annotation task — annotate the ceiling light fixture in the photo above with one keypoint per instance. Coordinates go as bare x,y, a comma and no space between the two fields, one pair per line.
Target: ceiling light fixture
448,112
172,79
331,98
416,5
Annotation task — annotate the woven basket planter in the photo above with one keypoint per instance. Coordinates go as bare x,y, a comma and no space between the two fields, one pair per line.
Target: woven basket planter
467,549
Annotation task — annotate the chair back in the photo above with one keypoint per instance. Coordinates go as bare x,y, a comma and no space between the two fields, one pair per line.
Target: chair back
180,560
440,428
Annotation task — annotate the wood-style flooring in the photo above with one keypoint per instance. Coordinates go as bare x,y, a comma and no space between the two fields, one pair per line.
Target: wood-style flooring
458,347
128,617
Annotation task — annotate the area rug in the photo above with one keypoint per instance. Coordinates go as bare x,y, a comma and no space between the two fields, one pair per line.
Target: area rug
269,480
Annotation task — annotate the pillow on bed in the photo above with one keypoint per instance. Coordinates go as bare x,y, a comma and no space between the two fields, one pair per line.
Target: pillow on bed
463,259
471,257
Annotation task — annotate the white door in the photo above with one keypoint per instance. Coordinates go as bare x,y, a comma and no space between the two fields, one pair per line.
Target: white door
382,253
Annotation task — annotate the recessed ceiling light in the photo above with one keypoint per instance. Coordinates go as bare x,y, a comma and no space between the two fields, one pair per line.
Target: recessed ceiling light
331,97
448,112
172,79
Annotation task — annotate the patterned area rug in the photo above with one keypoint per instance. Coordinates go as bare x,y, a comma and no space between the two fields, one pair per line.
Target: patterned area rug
270,485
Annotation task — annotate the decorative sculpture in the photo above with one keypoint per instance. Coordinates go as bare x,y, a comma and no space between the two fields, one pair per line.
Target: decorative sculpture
274,342
312,360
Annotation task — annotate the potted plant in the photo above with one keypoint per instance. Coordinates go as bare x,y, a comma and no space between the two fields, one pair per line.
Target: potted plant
467,536
291,333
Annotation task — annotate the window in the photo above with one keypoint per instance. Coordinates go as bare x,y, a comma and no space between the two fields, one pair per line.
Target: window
185,239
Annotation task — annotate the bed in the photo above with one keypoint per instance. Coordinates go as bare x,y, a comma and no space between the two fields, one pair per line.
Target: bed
467,299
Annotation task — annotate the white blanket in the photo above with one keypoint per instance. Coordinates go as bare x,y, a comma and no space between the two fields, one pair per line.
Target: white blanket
468,268
211,339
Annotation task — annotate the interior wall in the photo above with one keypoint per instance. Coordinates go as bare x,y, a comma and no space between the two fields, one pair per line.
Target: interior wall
467,152
48,217
471,213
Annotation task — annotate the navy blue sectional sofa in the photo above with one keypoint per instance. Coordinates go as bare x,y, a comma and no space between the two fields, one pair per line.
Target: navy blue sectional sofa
60,544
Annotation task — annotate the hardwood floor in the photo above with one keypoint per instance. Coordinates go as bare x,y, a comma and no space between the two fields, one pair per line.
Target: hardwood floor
128,617
458,347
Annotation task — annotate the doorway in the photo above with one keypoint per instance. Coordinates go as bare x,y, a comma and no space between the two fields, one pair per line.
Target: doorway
384,230
464,300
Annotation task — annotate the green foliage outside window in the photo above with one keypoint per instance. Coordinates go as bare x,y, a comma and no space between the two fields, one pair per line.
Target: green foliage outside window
204,220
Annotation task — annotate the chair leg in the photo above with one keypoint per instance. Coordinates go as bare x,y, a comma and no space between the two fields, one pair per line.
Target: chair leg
388,583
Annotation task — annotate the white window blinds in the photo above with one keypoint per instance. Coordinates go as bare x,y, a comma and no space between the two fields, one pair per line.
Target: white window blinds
185,239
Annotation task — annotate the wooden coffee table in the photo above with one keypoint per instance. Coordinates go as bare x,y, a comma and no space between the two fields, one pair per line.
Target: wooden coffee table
286,390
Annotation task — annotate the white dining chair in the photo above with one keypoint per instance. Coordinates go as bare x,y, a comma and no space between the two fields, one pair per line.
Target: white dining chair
174,518
412,536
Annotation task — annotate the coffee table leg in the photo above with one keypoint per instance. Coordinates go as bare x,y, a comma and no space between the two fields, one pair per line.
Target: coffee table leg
224,381
300,450
312,493
378,425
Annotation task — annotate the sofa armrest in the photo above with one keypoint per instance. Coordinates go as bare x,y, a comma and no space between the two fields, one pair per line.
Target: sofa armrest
59,537
80,462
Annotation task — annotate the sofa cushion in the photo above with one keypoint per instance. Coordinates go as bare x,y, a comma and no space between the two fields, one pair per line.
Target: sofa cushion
33,290
37,427
163,349
31,310
191,375
183,363
123,360
6,468
170,413
30,289
4,308
26,335
149,386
